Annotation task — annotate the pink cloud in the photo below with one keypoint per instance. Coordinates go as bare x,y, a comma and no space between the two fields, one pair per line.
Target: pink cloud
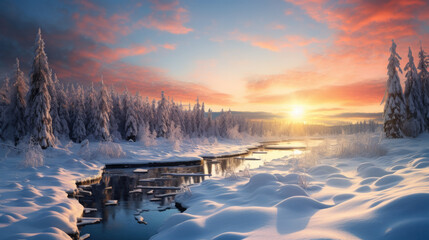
274,44
168,17
169,46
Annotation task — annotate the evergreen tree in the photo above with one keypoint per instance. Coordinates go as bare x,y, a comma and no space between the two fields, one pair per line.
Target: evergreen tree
91,108
162,116
394,108
117,115
424,78
18,105
63,104
131,129
102,124
415,122
79,130
4,103
39,101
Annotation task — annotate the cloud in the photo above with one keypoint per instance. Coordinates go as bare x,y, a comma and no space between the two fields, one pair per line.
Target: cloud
274,44
292,79
167,16
354,94
169,46
364,30
93,22
356,115
77,58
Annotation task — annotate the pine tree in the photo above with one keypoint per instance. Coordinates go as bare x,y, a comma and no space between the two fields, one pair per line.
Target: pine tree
18,105
131,129
394,108
39,101
415,122
4,103
424,78
79,130
91,110
162,117
102,125
63,104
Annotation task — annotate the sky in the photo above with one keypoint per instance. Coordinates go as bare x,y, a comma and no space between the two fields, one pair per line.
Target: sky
318,61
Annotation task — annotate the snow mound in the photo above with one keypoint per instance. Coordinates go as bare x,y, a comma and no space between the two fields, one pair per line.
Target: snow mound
363,189
339,182
388,180
260,180
291,190
301,204
342,197
373,172
323,170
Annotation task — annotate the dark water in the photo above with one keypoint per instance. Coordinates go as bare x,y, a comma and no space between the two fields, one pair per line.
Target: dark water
118,221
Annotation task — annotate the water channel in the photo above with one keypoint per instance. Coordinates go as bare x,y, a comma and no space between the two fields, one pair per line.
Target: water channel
155,205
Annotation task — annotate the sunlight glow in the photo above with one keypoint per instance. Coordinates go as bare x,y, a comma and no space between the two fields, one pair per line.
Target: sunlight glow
297,112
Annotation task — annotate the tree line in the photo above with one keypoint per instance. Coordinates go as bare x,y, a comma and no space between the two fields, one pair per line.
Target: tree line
406,114
45,110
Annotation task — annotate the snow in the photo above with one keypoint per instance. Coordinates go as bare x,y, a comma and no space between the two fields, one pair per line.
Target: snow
164,151
33,201
372,195
34,182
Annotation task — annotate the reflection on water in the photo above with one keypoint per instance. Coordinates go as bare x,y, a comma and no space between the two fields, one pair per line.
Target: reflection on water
118,221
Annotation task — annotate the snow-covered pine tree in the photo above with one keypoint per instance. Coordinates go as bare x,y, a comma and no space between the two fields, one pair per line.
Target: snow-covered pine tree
18,105
39,101
152,120
131,129
415,122
71,92
4,103
79,130
102,125
203,122
116,116
424,79
139,111
91,110
63,110
394,108
210,126
59,109
162,117
56,122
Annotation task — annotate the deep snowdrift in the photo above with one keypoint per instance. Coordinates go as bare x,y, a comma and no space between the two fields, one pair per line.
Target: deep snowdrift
340,197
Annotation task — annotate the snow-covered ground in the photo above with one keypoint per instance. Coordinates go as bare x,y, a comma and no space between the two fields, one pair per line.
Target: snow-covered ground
33,201
347,188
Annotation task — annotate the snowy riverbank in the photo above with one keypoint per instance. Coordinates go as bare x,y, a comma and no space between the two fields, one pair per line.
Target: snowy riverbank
358,189
33,201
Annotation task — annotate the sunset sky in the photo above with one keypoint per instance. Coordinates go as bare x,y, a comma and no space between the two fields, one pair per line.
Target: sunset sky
303,60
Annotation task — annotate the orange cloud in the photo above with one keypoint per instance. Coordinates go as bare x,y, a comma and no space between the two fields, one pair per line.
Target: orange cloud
364,29
273,44
354,94
292,79
169,46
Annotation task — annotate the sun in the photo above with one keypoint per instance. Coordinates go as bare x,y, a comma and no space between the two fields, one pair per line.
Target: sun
297,112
